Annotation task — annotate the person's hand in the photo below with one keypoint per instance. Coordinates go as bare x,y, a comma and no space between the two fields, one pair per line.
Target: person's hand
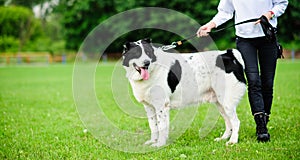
269,15
205,29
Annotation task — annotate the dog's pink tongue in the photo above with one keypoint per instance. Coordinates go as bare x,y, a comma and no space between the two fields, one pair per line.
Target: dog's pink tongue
145,74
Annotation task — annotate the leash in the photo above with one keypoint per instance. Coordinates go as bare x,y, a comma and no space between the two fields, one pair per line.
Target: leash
178,43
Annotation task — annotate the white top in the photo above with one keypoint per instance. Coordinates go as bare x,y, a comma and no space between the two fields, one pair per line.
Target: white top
248,9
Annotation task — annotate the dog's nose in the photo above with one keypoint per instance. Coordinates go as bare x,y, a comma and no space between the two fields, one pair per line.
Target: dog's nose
146,63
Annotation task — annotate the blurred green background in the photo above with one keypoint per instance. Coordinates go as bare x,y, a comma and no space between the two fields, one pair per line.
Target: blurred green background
58,27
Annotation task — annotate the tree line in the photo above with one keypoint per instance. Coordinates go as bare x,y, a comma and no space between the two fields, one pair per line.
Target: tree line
63,24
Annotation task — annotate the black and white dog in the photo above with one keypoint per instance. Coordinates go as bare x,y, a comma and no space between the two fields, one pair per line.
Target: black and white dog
162,81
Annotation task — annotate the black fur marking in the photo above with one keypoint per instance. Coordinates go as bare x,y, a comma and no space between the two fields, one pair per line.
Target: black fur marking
127,46
131,51
149,50
174,75
134,51
229,63
147,40
191,57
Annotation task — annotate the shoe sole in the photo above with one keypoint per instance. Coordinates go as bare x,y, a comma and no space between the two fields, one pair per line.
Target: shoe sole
263,137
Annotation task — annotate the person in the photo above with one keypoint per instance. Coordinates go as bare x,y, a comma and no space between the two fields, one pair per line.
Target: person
259,54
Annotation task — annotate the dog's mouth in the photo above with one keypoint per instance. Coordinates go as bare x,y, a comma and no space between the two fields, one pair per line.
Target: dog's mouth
143,71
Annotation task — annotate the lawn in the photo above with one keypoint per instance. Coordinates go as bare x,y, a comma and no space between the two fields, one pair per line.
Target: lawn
39,120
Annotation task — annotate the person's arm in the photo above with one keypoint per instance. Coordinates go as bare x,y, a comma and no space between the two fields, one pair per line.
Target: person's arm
225,13
278,9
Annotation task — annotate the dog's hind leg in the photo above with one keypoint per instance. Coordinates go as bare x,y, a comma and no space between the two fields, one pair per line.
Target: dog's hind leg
235,122
228,130
230,113
152,120
229,93
227,103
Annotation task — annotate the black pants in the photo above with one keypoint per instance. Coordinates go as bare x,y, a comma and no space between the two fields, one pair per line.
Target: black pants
260,57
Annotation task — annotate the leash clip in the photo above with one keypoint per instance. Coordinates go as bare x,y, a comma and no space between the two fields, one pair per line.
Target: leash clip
175,44
168,47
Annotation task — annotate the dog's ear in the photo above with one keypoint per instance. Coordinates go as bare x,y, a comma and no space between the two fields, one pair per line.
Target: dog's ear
147,40
126,46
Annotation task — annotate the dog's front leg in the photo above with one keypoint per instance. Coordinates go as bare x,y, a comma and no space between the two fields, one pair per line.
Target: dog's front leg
163,122
152,120
160,101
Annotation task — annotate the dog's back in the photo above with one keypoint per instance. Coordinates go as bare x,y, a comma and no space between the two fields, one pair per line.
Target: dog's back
196,75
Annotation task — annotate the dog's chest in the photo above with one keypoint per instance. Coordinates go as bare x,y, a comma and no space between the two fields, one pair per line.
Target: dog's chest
144,91
141,90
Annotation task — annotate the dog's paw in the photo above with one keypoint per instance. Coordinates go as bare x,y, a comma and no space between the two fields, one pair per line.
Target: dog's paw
232,140
157,144
218,139
150,142
230,143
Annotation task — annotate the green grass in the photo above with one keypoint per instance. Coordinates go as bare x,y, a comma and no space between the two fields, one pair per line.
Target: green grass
39,120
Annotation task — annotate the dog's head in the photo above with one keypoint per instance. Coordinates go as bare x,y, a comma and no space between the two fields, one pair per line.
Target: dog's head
138,58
